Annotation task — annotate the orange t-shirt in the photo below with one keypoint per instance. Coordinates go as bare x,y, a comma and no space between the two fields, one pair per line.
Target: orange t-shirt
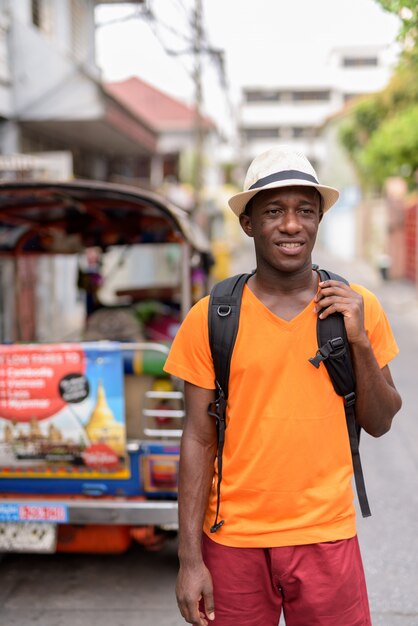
287,466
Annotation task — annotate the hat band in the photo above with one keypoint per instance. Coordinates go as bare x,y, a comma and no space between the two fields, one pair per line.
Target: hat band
284,175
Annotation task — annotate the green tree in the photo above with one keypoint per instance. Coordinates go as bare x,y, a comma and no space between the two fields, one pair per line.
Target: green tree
380,132
407,12
393,149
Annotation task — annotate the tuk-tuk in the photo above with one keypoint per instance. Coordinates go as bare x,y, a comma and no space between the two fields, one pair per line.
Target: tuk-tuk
89,422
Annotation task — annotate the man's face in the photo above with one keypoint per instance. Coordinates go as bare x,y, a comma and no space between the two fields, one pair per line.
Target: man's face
284,223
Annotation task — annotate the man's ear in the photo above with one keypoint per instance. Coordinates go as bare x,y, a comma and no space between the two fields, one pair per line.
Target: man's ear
245,222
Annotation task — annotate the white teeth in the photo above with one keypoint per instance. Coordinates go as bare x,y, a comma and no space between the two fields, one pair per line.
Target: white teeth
290,245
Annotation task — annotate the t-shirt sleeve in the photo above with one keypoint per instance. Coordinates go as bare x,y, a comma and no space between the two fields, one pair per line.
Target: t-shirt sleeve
378,328
190,357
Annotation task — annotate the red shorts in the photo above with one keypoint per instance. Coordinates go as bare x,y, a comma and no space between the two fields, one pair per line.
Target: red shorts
315,585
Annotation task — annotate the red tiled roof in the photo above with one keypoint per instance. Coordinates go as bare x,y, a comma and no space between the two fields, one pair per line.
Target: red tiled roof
159,110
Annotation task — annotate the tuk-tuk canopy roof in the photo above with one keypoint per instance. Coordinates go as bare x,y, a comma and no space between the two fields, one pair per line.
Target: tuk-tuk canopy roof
66,218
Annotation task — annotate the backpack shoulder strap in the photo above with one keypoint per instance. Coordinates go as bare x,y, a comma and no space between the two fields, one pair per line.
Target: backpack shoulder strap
223,320
224,311
334,352
333,346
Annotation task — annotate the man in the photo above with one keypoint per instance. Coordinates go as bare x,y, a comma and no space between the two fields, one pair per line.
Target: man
288,541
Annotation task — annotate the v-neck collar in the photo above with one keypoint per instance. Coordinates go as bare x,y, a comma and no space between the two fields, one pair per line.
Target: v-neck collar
308,310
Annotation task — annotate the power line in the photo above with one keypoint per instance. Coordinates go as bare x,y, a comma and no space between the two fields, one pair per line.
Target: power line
146,12
169,28
139,12
184,10
216,56
152,22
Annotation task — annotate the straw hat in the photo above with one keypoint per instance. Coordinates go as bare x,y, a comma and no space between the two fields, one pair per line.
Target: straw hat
280,167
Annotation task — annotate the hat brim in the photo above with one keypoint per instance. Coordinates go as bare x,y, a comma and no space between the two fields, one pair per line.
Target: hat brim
329,195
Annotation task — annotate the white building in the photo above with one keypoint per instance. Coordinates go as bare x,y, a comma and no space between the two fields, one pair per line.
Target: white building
293,110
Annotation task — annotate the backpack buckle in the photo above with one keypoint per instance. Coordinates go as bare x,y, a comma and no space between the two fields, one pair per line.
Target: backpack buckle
223,310
317,359
217,407
332,346
350,399
336,343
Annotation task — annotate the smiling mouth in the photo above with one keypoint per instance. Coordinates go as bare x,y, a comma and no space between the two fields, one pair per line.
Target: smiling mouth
290,244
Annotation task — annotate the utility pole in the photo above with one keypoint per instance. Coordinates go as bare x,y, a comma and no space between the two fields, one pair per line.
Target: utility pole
198,125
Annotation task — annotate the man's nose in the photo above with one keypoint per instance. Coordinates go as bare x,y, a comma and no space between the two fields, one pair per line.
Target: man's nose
290,222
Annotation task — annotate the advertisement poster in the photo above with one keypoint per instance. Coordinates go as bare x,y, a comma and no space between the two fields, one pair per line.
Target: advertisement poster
62,411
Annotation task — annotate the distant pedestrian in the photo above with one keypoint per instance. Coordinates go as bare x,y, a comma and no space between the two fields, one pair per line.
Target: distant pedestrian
288,542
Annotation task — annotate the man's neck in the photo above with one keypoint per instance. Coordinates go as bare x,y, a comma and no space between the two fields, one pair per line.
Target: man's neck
271,282
286,295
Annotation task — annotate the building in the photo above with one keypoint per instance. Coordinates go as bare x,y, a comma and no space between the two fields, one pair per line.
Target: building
293,109
173,122
52,99
51,95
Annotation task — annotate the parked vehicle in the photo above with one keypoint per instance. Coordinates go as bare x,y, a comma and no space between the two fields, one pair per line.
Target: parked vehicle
90,424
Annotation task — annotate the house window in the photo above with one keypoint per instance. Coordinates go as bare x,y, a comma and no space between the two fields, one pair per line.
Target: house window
4,55
79,29
36,12
171,166
261,133
311,96
303,131
262,95
42,15
359,62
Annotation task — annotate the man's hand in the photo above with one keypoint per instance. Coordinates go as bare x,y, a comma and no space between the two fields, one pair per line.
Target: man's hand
336,297
377,400
193,584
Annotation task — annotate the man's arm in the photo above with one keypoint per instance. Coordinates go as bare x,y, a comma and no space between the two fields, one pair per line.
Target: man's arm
377,400
197,455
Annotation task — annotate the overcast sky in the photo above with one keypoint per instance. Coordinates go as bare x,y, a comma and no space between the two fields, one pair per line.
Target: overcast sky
265,42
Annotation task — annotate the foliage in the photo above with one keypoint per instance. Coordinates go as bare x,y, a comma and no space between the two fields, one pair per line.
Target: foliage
407,11
393,149
380,132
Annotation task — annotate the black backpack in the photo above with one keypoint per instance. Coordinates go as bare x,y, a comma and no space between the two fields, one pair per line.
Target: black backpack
333,351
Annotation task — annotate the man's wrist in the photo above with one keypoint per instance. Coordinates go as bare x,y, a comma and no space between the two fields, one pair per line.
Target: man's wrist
190,554
361,342
191,560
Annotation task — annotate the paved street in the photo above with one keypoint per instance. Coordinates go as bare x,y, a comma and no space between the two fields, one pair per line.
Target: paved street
133,589
390,537
137,588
